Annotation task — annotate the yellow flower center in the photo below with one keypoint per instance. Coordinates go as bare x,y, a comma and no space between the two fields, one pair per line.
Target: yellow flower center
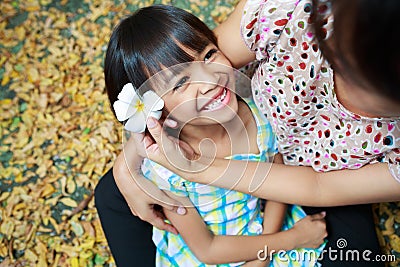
139,105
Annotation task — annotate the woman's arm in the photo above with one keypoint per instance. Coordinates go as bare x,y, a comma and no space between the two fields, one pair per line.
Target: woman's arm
372,183
230,41
218,249
140,193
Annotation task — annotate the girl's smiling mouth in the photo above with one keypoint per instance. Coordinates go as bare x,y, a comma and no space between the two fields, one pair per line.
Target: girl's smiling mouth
219,101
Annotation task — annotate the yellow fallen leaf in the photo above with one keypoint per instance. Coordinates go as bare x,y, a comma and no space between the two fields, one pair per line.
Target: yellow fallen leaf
5,102
4,195
3,250
68,202
86,254
89,244
2,59
88,228
42,100
20,32
55,224
6,80
52,201
41,171
19,178
42,260
32,8
56,260
33,74
71,185
30,255
48,190
7,228
395,242
389,224
19,206
74,262
69,153
100,237
31,230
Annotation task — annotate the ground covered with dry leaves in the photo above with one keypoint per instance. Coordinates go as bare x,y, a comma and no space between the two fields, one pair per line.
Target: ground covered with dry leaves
58,135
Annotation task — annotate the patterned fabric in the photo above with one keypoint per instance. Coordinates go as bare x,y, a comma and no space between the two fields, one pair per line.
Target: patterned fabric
225,212
294,88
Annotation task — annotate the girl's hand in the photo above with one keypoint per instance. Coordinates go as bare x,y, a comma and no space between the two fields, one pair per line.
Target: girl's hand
310,231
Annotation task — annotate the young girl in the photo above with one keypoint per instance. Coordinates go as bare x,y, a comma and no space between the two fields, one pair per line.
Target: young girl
224,226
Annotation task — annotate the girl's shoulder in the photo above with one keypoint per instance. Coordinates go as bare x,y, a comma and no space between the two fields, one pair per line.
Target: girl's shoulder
266,139
163,178
254,112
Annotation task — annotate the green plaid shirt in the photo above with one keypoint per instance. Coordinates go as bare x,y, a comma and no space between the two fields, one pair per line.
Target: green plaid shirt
225,212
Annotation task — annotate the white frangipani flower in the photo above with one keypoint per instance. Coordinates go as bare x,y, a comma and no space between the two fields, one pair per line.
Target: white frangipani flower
130,107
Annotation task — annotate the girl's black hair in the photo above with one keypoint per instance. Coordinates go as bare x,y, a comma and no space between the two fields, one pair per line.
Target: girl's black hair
149,39
364,46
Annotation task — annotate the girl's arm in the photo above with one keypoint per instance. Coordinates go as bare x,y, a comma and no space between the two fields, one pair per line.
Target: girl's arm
274,215
372,183
218,249
230,41
274,212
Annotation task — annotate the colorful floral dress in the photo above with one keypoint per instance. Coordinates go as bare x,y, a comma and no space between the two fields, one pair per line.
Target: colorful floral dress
294,88
225,212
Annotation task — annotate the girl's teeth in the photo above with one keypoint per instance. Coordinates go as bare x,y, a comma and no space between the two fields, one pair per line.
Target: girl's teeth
216,103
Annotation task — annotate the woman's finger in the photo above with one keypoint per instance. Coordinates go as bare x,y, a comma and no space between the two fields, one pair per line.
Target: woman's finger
170,123
160,223
164,145
171,204
139,139
155,129
318,216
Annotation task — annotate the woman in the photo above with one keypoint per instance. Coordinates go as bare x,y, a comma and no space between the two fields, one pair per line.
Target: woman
362,94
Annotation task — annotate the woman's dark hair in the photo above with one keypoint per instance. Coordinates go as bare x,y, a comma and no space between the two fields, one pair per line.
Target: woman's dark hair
149,39
364,46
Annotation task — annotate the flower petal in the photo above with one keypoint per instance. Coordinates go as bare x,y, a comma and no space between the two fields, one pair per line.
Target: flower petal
137,123
128,93
152,101
123,110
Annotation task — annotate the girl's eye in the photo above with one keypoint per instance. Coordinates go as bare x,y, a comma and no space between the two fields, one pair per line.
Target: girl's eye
181,82
210,54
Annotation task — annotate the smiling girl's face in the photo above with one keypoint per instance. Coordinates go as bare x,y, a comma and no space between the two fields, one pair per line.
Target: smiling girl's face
201,92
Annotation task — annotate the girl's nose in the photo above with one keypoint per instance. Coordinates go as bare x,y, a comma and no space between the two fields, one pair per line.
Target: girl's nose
206,77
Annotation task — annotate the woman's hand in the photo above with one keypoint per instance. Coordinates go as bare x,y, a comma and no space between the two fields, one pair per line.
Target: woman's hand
310,231
143,197
168,151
